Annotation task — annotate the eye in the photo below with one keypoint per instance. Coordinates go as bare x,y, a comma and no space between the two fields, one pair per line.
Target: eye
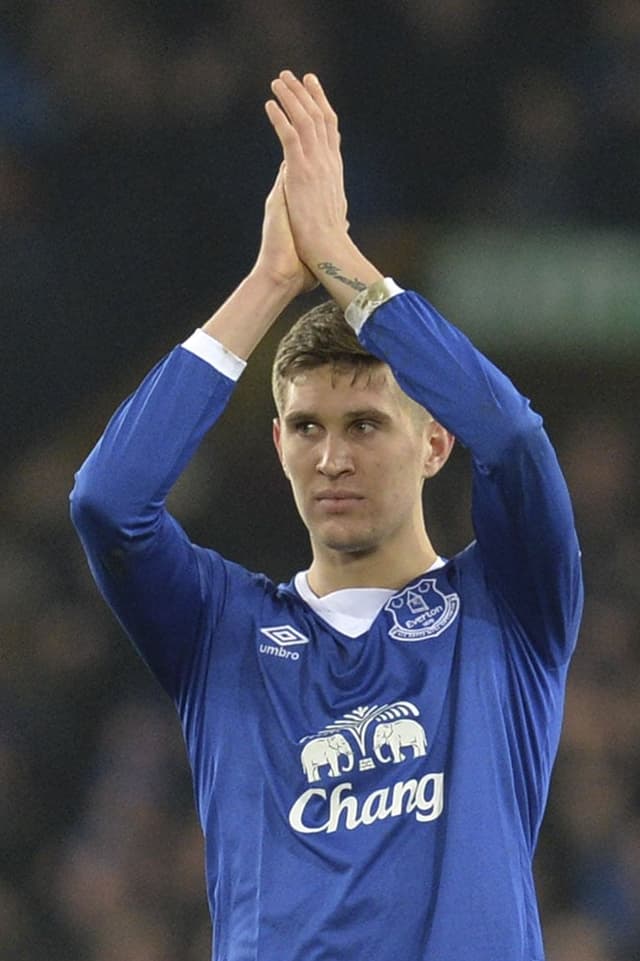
364,426
305,428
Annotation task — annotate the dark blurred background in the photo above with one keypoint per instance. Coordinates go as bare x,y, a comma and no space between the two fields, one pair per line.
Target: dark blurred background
492,155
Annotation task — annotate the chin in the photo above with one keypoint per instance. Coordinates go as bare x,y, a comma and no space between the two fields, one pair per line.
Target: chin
348,543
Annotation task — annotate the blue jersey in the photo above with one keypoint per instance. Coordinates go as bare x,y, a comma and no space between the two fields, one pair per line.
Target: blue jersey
369,797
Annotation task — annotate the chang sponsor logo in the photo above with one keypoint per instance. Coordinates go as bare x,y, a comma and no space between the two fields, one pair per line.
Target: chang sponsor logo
321,811
365,739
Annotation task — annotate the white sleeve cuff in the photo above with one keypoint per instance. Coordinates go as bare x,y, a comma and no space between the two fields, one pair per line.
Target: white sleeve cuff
362,306
213,352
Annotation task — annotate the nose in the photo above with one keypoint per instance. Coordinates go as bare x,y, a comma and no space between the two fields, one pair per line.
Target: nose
335,457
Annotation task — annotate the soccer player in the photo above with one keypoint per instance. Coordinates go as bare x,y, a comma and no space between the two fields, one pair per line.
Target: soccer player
371,743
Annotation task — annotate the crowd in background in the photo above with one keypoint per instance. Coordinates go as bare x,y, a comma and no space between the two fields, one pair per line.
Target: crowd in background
134,159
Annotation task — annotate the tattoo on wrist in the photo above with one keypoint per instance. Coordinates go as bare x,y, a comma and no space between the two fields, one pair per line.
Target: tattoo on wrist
333,271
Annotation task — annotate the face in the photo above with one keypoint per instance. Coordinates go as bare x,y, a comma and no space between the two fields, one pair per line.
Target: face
356,454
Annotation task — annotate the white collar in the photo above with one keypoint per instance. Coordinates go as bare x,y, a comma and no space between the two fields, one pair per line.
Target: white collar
350,610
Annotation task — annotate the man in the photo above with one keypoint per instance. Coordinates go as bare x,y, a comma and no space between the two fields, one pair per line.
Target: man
371,744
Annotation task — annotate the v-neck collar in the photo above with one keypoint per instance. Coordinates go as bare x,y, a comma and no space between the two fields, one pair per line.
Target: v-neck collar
350,610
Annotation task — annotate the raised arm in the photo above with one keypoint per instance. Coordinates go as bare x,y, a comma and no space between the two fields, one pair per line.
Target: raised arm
521,511
144,564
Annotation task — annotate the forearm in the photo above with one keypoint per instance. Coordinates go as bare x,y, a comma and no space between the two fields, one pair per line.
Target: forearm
151,437
250,311
342,269
438,366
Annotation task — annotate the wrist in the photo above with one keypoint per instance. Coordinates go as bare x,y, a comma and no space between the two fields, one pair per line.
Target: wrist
249,312
278,288
343,270
328,246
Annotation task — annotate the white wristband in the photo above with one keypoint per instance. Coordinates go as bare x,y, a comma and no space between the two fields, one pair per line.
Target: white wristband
364,304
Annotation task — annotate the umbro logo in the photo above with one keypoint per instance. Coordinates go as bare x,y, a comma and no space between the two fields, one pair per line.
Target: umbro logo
284,637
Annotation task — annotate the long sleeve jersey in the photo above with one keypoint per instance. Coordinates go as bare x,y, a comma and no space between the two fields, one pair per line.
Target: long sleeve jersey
368,797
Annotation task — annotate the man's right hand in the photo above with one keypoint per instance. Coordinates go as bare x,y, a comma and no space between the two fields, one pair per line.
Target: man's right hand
278,258
277,277
307,128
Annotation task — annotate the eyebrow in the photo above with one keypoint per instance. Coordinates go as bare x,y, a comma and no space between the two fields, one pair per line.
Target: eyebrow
365,413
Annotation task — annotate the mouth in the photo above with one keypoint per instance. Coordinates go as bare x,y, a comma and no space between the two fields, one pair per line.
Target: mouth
337,500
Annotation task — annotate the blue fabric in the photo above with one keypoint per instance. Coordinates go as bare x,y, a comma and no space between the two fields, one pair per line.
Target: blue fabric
369,798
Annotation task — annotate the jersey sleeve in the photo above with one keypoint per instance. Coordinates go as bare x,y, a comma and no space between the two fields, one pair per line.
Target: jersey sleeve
156,581
521,510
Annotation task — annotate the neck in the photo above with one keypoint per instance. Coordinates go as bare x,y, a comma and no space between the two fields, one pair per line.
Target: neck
382,566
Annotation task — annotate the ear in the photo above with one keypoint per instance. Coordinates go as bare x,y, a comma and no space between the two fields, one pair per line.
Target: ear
277,441
439,444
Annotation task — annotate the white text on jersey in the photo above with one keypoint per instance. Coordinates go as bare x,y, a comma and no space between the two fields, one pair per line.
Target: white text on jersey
422,797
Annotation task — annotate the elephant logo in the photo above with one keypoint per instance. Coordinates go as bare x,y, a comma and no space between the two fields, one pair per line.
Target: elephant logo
389,739
421,611
322,751
395,730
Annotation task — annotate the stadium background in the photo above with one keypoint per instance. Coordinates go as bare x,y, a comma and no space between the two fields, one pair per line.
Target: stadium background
492,154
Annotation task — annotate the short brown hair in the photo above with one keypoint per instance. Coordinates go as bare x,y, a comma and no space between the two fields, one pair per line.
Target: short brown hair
321,336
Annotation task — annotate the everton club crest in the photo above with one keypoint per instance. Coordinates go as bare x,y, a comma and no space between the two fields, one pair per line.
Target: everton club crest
421,611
